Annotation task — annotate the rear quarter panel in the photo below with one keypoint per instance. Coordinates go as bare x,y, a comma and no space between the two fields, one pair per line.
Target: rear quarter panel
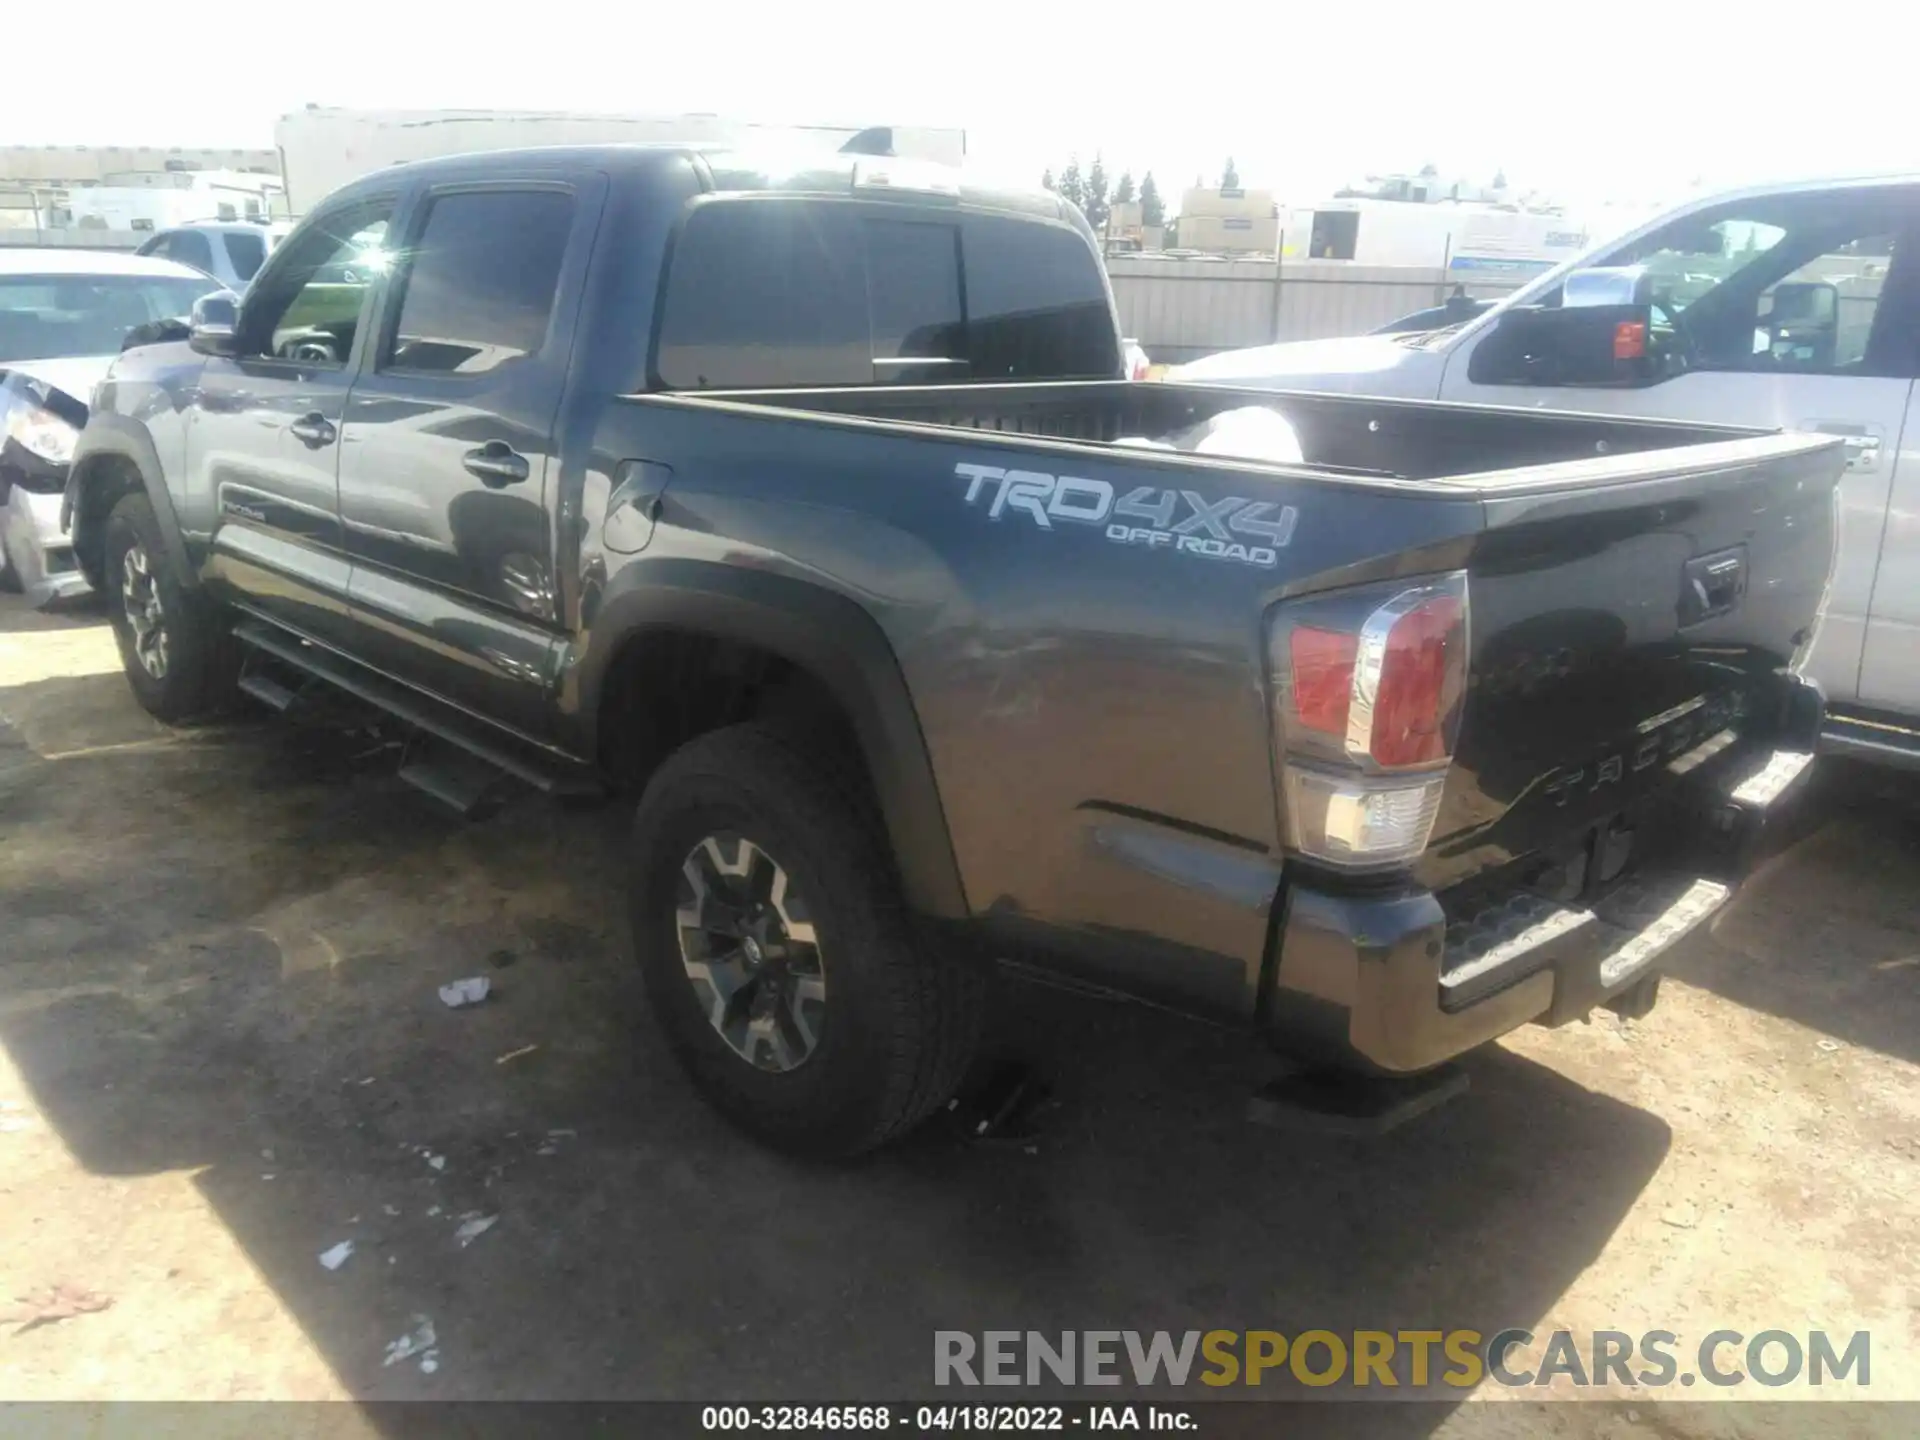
1095,712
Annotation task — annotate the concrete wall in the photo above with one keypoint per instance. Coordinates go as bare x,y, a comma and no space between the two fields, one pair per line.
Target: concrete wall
1183,308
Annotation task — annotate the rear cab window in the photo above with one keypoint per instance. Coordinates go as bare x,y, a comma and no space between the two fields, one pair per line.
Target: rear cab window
777,292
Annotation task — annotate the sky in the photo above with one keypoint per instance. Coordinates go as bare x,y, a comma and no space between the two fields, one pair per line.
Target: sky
1635,104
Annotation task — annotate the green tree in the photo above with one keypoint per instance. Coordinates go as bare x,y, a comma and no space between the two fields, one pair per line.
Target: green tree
1229,177
1153,210
1095,206
1072,187
1123,192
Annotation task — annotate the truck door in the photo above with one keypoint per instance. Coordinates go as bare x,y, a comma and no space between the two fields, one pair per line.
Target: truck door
263,433
1890,662
1795,310
448,467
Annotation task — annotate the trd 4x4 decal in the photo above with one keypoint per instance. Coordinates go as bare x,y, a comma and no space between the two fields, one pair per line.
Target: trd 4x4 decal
1252,532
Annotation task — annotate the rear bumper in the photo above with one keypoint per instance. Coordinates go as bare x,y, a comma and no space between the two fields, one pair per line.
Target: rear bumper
1395,983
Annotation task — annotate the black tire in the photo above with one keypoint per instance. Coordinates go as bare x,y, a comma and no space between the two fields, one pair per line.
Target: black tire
902,1014
10,582
200,662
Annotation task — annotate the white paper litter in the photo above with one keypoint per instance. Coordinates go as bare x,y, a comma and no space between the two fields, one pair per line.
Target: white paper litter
420,1340
1252,432
473,1227
470,991
337,1255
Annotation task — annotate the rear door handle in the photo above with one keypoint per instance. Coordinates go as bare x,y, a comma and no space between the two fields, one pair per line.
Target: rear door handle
314,430
1862,443
496,464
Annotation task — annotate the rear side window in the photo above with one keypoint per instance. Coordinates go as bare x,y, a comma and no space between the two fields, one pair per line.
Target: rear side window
245,252
480,281
781,293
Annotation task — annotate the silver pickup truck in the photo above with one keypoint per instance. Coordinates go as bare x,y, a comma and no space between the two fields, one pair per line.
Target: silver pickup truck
1790,306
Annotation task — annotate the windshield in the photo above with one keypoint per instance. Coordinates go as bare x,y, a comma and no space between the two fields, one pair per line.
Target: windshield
46,317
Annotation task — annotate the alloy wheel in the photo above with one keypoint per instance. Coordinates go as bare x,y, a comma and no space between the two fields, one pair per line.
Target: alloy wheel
140,598
751,953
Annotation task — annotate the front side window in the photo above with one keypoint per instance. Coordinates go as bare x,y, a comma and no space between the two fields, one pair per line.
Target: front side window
1783,283
307,306
480,281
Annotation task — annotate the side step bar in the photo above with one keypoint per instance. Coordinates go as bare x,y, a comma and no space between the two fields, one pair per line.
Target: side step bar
268,691
455,784
1875,741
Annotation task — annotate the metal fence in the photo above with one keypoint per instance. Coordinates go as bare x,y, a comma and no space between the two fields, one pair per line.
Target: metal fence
1182,308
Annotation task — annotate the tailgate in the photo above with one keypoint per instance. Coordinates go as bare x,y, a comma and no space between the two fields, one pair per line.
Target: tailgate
1628,629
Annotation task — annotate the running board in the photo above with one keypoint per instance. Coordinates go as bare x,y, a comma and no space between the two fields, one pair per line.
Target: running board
1875,741
268,691
446,782
465,784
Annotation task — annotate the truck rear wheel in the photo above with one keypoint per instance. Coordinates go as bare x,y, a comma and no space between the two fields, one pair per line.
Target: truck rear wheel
180,657
780,960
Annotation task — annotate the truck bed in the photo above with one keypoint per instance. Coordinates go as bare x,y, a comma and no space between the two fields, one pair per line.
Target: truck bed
1348,436
1079,697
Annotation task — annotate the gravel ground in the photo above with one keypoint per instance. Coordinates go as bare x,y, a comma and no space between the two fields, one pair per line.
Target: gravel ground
222,1054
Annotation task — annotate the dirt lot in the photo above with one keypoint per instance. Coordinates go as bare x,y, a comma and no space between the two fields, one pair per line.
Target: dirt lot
222,1053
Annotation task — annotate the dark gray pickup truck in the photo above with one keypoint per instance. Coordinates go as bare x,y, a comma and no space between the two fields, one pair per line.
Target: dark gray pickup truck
790,503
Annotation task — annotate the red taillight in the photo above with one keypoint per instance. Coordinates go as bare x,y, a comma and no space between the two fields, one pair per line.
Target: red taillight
1630,340
1322,677
1368,688
1411,702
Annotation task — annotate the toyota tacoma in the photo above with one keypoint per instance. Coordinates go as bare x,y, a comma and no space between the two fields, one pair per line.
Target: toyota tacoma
810,506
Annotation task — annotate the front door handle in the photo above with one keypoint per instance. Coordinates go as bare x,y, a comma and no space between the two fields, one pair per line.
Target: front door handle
313,430
496,464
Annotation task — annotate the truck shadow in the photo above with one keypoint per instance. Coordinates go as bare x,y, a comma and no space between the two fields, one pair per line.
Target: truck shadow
222,952
1826,933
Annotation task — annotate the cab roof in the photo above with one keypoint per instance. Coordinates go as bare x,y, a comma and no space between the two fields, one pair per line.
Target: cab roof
801,169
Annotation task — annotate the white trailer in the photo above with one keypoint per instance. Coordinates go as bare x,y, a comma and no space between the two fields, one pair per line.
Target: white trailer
1472,241
322,149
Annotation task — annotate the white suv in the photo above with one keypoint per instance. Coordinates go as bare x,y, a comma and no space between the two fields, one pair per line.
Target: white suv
228,250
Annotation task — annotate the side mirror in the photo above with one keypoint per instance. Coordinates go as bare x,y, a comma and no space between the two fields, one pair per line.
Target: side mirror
214,328
1600,334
